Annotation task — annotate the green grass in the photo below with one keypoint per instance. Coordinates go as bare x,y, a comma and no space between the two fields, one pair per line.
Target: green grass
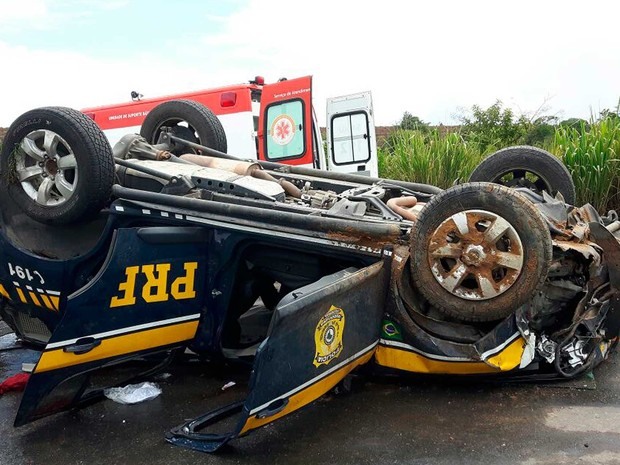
593,158
591,154
427,158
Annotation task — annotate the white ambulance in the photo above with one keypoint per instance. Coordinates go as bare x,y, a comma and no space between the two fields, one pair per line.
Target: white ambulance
271,122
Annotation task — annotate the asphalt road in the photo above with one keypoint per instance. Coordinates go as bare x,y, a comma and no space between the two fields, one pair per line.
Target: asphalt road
385,421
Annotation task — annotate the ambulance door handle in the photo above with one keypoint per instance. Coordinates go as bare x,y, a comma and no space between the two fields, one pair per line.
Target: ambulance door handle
82,346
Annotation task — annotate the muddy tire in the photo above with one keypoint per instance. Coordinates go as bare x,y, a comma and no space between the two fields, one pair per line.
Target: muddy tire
56,165
479,251
525,166
189,120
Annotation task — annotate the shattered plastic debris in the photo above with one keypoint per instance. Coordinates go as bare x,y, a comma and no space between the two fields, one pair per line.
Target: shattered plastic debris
133,393
547,348
228,385
27,367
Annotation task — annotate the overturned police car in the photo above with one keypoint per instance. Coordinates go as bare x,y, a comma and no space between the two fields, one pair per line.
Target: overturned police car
110,255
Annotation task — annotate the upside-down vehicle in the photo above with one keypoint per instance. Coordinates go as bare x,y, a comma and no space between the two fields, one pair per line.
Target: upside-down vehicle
108,256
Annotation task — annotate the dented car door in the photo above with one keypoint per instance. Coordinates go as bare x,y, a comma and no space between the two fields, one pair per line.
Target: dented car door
318,334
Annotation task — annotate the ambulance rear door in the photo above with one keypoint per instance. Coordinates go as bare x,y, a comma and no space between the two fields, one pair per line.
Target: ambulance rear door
285,123
351,141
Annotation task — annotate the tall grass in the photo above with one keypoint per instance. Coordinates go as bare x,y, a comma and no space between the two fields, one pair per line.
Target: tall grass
427,158
591,154
593,158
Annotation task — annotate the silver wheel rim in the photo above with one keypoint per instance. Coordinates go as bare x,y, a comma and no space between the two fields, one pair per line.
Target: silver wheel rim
46,167
475,255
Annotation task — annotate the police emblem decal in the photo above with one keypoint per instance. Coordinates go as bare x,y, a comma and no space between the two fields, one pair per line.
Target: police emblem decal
328,336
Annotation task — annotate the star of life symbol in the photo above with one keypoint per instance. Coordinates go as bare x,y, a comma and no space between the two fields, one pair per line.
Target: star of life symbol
283,130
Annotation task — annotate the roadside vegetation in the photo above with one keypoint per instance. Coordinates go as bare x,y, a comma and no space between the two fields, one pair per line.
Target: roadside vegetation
433,155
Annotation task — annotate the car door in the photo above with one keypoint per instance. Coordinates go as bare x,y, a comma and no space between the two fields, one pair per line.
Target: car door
319,333
285,122
351,141
145,299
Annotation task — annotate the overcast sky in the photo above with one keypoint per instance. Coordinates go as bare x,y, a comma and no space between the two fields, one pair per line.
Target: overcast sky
429,58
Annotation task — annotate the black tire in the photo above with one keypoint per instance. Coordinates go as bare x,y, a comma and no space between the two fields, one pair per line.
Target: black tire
433,262
526,166
198,124
90,176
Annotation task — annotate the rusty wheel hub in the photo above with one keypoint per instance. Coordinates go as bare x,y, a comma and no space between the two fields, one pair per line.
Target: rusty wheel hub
51,167
475,255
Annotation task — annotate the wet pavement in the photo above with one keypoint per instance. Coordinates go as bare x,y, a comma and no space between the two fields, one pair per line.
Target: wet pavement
384,421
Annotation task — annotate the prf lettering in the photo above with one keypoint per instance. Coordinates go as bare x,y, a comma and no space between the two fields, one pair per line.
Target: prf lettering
156,287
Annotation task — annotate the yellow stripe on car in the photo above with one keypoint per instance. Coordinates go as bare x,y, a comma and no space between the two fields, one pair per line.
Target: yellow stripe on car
509,357
505,360
304,397
48,303
119,345
34,298
4,293
21,295
55,301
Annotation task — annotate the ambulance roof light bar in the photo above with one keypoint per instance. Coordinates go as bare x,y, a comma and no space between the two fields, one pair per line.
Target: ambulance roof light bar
258,80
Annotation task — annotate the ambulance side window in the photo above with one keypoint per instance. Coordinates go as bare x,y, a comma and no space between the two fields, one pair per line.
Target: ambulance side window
285,130
350,138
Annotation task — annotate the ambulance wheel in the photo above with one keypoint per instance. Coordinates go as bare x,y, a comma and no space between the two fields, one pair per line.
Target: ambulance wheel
479,251
56,165
188,120
530,167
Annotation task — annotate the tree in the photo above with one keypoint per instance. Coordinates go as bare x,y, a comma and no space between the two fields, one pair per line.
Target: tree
539,131
609,114
410,122
494,126
575,123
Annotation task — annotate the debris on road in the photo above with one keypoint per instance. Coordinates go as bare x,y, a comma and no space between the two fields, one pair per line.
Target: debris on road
28,367
133,393
14,383
228,385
